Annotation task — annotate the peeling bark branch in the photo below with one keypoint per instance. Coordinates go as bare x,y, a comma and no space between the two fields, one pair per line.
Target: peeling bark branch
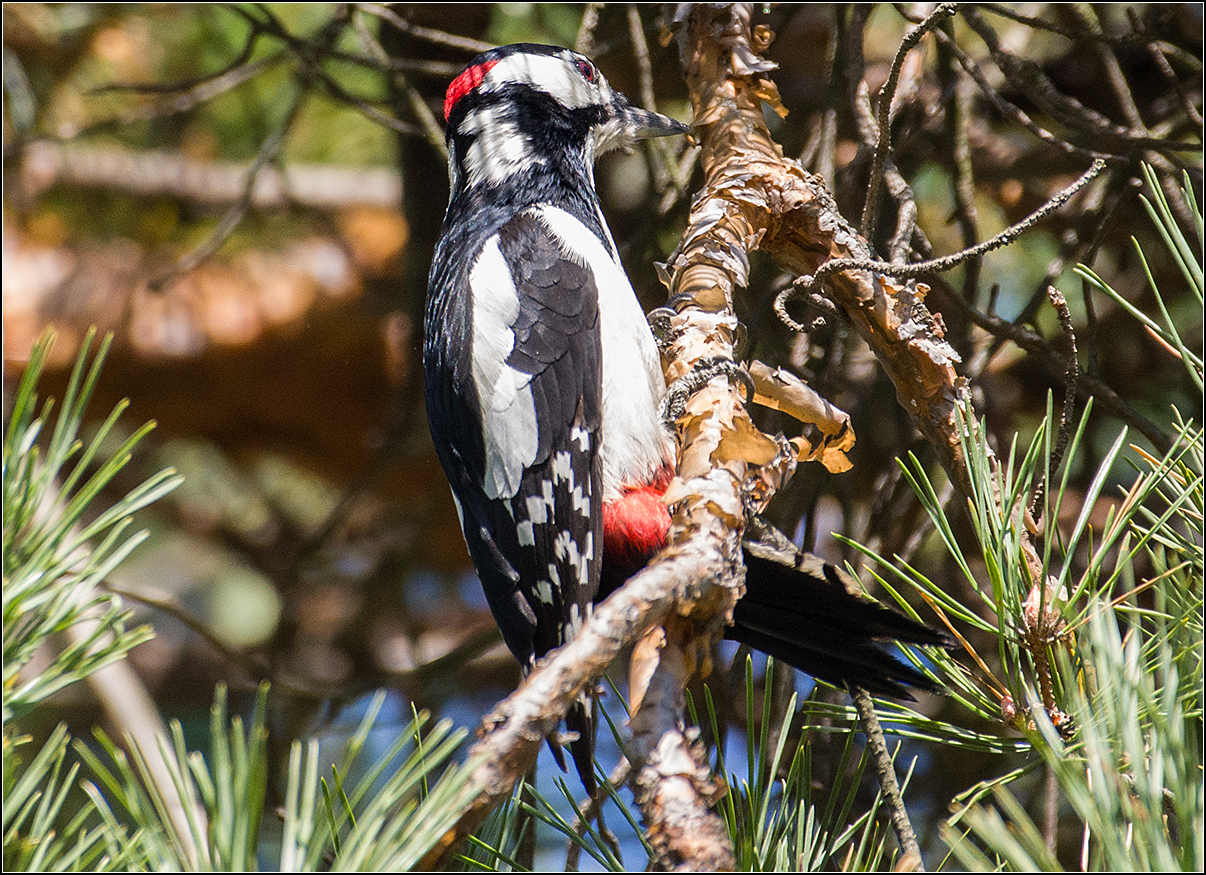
756,199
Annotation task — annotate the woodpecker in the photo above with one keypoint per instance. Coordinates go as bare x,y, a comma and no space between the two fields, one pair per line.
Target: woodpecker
543,385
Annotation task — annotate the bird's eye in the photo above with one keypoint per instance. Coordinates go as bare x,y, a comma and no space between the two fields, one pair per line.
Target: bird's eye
587,70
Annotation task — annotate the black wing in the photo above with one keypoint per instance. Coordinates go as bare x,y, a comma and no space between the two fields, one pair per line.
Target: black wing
530,501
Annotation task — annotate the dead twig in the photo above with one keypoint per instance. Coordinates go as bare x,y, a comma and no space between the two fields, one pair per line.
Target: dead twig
269,151
1060,304
438,37
910,860
883,143
811,284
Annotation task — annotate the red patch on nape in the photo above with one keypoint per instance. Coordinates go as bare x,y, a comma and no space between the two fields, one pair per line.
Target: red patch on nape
464,83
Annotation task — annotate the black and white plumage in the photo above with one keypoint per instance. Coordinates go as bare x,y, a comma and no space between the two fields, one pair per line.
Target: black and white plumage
543,382
534,339
534,336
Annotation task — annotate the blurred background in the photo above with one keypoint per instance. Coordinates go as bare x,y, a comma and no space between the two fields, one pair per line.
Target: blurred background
247,197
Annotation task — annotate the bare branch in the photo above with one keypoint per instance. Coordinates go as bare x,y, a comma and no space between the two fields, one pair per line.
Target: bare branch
959,113
585,41
1157,51
511,735
268,152
663,165
910,852
1088,384
808,285
884,144
1087,33
155,173
1029,76
1007,108
1065,418
431,128
439,37
237,68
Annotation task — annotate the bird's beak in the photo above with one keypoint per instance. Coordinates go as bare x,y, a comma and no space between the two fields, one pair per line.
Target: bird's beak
641,124
629,124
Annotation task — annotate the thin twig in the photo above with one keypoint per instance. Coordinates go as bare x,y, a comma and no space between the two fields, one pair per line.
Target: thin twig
907,213
432,131
1166,70
809,285
663,166
886,93
1007,108
584,42
310,51
1065,418
207,88
194,95
1077,248
958,124
240,60
910,852
590,808
258,668
1088,384
1028,75
1114,74
268,152
438,37
1095,34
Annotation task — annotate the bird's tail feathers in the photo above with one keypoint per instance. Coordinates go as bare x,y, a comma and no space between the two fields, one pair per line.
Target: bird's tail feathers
806,612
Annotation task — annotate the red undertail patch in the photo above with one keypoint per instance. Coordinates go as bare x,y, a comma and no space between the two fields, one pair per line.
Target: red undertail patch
635,527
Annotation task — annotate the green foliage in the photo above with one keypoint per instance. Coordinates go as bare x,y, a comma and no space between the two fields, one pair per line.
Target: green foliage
58,549
34,797
52,565
774,818
1116,660
1133,777
376,823
1132,682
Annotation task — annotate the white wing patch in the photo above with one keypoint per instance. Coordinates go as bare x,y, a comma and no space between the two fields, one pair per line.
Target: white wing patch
633,385
505,394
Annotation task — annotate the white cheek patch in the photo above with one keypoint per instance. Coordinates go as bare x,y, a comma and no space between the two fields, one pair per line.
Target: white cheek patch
504,394
499,151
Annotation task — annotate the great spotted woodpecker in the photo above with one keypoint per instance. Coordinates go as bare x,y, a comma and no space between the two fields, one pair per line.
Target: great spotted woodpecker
543,385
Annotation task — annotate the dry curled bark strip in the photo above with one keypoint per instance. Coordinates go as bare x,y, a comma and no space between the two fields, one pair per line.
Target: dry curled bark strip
756,199
753,198
783,390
